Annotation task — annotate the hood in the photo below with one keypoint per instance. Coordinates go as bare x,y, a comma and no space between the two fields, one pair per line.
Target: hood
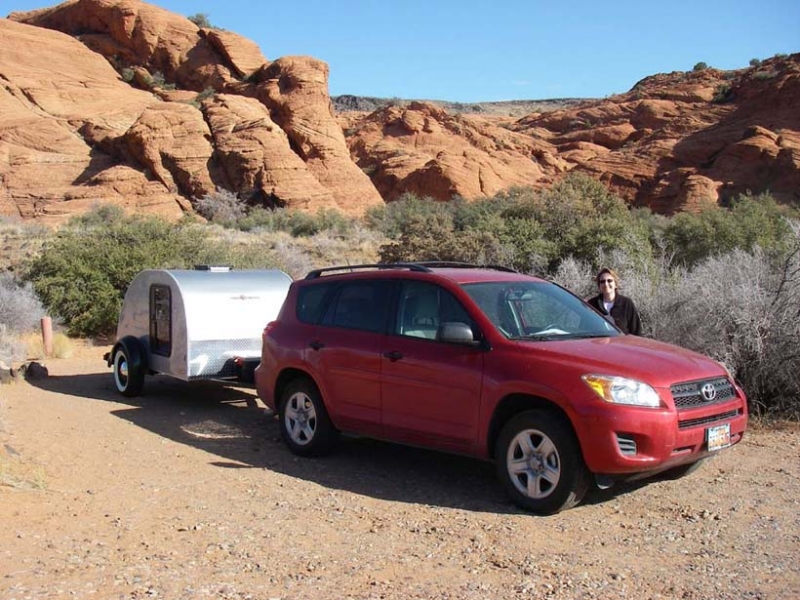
656,363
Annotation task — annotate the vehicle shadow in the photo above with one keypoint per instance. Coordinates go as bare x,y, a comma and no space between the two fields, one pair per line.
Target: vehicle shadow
232,424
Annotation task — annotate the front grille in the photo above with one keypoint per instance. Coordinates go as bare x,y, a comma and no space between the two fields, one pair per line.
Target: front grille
732,414
702,393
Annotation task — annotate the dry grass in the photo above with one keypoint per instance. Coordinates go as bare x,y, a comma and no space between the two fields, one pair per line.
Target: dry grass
63,346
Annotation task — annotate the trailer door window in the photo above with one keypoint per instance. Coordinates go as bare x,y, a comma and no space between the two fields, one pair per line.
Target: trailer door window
160,320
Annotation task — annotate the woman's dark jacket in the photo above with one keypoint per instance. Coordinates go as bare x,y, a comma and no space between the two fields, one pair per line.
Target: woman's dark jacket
624,312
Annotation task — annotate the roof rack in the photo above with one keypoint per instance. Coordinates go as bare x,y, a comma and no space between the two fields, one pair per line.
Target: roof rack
420,267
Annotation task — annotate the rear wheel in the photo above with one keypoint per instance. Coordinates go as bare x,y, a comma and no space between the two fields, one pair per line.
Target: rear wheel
540,464
305,426
128,367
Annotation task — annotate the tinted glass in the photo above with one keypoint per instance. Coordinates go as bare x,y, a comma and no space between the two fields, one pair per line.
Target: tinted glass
538,311
360,305
311,302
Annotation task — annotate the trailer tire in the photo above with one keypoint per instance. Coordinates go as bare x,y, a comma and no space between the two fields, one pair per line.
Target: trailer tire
305,425
129,363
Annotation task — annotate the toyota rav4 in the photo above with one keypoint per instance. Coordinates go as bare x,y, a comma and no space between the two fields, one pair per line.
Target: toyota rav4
494,364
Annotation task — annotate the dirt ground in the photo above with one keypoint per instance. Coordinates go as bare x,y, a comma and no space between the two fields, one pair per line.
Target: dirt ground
188,492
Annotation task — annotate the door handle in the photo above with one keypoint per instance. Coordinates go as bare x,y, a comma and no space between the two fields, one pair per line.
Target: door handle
393,355
317,345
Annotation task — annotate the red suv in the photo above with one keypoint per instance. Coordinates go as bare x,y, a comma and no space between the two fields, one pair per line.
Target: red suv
494,364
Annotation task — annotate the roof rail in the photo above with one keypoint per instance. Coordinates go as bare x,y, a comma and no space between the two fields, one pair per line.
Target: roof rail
445,264
420,267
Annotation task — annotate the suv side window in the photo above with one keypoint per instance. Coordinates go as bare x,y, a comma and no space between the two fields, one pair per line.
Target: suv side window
311,302
424,306
360,305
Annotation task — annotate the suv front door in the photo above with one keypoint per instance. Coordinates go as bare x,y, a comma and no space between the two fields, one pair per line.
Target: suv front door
430,390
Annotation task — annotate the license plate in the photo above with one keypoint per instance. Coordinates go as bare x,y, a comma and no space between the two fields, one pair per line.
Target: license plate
718,437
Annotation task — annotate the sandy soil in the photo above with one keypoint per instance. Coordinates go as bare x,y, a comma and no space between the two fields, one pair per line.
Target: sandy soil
187,492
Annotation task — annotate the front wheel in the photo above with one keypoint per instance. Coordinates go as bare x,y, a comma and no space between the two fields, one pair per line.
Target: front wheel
540,464
305,426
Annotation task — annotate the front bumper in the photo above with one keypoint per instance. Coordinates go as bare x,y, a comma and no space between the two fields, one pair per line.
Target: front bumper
625,440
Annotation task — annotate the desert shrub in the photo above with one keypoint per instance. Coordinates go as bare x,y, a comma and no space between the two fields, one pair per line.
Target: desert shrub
208,92
299,223
765,74
755,62
577,276
750,221
12,349
701,66
753,327
222,206
128,74
390,218
81,274
201,20
722,93
20,307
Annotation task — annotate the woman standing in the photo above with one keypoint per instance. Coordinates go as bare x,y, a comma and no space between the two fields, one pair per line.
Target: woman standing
610,302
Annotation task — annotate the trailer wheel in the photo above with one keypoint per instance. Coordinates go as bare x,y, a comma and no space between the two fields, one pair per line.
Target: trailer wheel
305,426
129,367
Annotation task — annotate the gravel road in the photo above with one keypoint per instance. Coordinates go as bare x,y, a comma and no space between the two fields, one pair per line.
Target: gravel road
188,492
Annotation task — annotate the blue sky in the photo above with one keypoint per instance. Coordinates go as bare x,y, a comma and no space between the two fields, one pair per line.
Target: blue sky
478,50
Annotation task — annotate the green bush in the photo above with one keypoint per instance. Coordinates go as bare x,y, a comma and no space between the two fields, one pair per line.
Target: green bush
701,66
750,221
82,273
201,20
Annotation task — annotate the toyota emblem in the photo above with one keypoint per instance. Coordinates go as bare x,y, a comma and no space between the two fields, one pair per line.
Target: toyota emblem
709,392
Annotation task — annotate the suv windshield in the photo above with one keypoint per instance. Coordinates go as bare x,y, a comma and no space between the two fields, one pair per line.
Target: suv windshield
538,311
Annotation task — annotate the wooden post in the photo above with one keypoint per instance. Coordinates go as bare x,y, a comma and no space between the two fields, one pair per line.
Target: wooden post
47,336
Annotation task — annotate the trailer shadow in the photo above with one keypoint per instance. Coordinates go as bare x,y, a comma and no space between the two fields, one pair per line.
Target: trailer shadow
231,423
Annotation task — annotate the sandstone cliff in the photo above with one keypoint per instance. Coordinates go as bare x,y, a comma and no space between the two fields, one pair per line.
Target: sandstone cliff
214,113
121,101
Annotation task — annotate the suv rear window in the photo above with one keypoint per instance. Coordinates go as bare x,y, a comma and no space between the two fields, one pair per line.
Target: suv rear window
311,302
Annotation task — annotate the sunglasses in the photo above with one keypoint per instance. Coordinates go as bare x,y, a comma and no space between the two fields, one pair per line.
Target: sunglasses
608,281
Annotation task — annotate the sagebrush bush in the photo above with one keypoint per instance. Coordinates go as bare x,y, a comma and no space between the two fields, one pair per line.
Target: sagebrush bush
222,206
20,308
12,349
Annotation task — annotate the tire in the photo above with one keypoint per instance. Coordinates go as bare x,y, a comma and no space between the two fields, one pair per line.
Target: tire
129,367
540,464
304,423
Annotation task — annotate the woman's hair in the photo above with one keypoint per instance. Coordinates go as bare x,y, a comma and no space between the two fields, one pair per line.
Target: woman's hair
608,270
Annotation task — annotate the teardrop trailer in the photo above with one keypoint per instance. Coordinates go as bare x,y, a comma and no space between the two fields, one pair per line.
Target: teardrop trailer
194,324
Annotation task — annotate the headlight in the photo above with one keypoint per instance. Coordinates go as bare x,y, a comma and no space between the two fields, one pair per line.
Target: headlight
620,390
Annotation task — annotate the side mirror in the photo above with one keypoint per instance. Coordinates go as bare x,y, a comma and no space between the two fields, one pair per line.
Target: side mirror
455,333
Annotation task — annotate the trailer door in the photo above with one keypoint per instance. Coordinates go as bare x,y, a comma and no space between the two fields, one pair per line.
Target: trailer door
160,320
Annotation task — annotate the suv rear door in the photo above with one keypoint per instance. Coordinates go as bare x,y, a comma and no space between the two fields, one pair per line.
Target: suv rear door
430,390
345,352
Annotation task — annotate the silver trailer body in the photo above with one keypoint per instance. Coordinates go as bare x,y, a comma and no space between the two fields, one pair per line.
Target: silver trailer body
193,324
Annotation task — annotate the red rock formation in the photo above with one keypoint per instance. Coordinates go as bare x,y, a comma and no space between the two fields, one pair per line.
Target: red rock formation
162,147
73,132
